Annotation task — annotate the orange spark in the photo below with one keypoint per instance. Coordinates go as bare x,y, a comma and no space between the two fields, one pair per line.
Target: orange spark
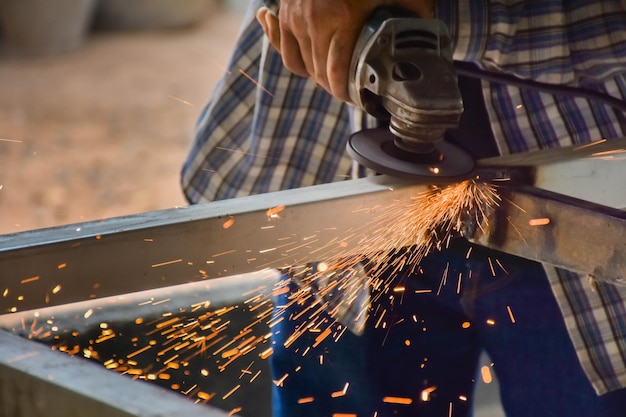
485,373
228,223
319,339
279,382
229,393
425,394
341,393
588,145
493,271
508,308
180,100
242,72
272,212
398,400
27,280
217,255
306,400
266,353
137,352
205,396
609,153
175,261
280,290
539,222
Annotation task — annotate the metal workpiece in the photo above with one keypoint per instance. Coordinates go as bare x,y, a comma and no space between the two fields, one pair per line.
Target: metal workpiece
26,366
157,249
38,382
555,229
593,172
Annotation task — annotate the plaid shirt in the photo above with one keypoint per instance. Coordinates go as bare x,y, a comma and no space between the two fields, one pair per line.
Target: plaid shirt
281,131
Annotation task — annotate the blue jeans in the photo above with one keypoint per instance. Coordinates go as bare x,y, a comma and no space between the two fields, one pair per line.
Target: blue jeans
427,347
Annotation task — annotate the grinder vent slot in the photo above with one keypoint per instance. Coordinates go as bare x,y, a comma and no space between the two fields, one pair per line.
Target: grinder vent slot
422,39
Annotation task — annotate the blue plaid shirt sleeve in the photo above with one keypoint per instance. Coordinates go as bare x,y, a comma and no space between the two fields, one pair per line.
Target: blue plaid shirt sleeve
265,129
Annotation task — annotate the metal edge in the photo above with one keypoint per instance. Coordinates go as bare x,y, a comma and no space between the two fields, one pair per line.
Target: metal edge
38,382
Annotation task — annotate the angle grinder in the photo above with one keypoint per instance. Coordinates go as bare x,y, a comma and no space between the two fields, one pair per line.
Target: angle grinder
402,72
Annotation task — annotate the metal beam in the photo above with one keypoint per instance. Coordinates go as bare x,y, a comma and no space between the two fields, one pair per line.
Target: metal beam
558,230
38,382
223,238
157,249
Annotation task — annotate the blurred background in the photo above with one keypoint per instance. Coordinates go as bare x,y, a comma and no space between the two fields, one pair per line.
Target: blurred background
98,100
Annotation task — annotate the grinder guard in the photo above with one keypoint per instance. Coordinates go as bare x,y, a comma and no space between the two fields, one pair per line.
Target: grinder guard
402,70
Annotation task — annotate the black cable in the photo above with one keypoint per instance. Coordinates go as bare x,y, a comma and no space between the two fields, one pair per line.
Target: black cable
470,70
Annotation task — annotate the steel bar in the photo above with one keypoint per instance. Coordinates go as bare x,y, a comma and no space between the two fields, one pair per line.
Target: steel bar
38,382
559,230
169,247
150,250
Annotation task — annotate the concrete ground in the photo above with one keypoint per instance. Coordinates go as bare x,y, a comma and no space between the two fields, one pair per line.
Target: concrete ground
103,131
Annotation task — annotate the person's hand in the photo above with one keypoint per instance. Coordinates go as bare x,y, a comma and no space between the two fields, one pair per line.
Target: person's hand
316,37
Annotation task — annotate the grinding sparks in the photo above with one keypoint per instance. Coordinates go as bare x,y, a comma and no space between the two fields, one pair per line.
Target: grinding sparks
180,100
175,261
588,145
426,392
423,224
369,257
508,309
272,213
398,400
609,154
242,72
485,373
539,222
266,353
228,223
28,280
341,393
231,392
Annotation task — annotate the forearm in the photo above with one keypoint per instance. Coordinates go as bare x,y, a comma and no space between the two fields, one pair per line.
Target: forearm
550,41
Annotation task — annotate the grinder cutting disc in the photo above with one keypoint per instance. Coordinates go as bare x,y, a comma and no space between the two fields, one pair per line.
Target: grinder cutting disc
442,162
